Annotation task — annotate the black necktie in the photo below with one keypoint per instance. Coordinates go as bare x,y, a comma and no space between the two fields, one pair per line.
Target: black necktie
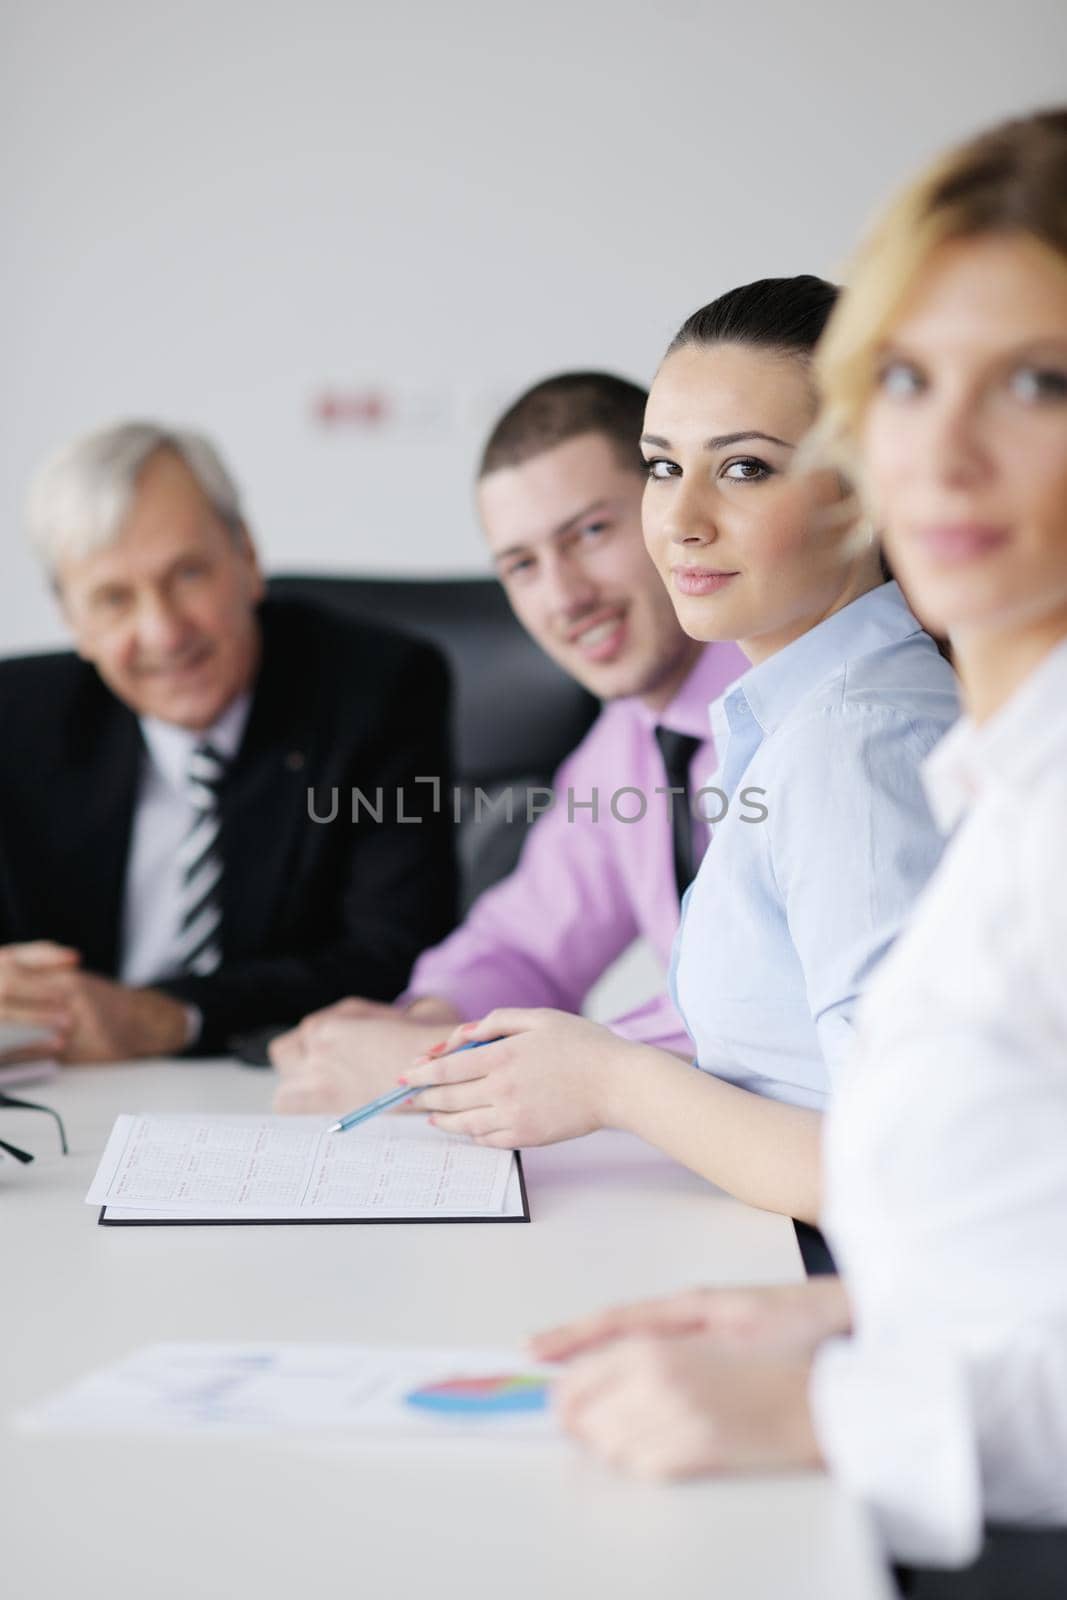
678,750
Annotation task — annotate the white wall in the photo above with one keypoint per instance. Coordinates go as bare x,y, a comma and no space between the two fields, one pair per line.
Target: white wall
214,212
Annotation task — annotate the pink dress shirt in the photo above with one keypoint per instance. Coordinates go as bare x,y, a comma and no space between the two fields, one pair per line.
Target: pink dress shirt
586,886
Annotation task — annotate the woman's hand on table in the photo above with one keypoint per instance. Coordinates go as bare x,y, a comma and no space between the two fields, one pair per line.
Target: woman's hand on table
679,1407
773,1318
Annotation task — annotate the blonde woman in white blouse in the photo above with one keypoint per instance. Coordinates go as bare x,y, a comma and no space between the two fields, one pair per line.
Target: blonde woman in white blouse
936,1387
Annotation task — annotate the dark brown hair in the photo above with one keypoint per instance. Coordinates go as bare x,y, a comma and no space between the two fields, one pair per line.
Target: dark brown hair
561,408
783,314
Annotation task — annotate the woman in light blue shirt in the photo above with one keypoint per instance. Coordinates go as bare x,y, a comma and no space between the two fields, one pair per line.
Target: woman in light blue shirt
821,836
829,731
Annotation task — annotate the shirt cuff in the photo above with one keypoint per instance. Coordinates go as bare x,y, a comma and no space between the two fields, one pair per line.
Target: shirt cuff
655,1022
411,997
194,1025
894,1424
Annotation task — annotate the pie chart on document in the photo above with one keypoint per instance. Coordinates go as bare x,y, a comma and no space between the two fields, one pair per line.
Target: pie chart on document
490,1396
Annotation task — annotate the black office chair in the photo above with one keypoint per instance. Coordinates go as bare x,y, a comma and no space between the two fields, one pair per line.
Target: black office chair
516,715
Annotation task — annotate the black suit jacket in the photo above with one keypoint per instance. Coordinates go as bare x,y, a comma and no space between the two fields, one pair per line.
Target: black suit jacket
311,910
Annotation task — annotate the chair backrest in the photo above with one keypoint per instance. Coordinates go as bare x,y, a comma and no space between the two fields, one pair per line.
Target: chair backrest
516,714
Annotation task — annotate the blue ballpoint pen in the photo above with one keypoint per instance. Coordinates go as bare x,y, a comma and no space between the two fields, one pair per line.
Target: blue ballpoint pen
352,1119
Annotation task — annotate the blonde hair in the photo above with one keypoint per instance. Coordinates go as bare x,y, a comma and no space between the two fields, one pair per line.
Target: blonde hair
1010,179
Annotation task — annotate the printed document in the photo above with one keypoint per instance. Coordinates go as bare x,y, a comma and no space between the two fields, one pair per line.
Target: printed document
308,1388
237,1168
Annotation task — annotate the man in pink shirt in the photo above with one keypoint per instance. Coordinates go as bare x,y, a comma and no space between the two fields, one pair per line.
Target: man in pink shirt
559,494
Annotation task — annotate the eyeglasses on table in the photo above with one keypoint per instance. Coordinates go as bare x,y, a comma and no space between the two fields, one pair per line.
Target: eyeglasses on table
11,1102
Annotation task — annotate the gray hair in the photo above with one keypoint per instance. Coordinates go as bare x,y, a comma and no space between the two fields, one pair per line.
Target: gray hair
79,499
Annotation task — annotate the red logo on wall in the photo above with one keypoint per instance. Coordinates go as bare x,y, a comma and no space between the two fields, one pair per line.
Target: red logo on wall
363,408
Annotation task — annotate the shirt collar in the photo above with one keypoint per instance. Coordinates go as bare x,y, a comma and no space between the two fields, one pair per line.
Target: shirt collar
717,666
774,687
170,746
1008,749
764,697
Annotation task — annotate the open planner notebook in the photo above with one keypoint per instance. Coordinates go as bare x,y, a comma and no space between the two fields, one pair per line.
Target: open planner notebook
188,1169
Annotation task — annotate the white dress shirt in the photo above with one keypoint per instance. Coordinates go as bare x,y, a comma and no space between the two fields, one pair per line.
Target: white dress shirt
163,815
946,1163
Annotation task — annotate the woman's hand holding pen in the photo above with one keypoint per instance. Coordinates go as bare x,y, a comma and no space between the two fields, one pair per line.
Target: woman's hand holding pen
547,1076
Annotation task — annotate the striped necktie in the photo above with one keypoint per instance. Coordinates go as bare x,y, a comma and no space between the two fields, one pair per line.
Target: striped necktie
200,863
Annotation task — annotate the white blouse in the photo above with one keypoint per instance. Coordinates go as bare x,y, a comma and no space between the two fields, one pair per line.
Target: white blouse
946,1163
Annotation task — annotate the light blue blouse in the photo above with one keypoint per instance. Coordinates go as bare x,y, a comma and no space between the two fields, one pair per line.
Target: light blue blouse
790,912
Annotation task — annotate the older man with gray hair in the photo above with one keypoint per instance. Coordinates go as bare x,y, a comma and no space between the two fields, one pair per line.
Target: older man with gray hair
163,883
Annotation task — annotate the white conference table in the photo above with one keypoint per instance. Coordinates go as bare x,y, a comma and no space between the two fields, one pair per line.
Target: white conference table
196,1519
